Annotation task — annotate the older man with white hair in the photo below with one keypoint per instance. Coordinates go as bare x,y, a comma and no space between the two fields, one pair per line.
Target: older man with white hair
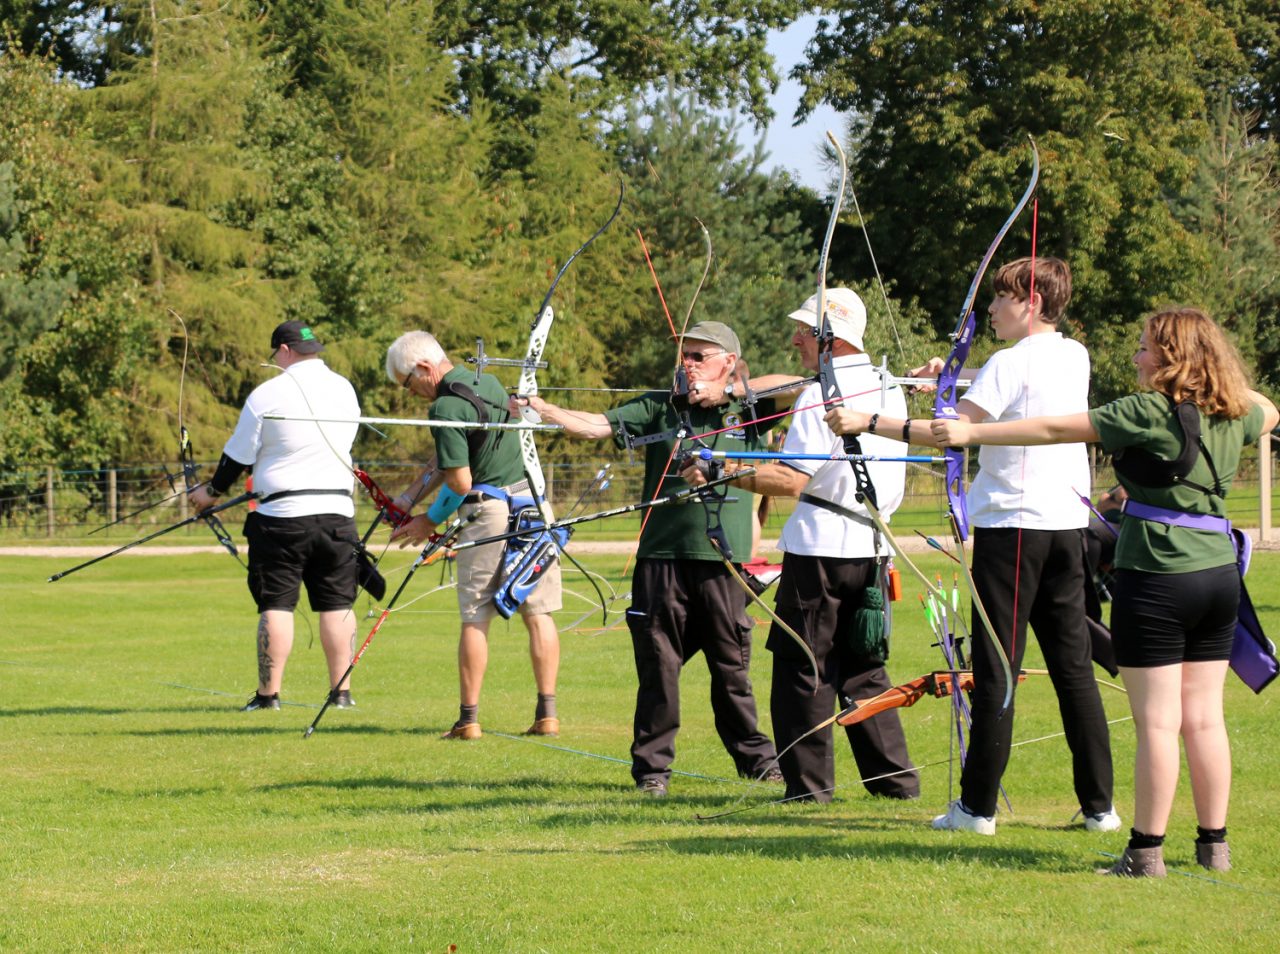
479,474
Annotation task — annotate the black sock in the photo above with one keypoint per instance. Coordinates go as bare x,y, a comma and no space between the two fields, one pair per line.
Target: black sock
546,706
1211,836
467,714
1138,840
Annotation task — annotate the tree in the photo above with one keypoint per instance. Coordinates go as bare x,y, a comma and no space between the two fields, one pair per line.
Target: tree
73,339
943,97
1256,25
685,166
1233,204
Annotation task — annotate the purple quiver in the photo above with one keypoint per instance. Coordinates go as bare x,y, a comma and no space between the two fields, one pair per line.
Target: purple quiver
1253,656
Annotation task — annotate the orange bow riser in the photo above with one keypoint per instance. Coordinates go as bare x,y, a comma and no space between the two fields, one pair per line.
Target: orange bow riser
940,684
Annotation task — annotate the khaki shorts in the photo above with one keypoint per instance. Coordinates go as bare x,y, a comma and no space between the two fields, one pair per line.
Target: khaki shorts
479,568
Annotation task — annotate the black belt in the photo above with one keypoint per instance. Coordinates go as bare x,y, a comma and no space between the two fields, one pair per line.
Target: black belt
479,497
303,493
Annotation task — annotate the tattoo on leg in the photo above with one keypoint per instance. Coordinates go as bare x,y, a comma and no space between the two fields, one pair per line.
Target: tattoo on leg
264,652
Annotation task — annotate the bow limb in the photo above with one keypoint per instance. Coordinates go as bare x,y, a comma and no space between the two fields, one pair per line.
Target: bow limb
944,406
782,624
528,384
900,555
947,395
186,454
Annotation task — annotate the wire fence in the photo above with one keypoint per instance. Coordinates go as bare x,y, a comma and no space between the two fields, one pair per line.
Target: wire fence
50,504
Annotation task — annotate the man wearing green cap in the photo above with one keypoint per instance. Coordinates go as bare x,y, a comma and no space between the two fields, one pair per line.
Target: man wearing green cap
683,597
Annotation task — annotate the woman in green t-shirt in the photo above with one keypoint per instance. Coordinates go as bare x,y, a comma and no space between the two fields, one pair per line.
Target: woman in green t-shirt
1174,611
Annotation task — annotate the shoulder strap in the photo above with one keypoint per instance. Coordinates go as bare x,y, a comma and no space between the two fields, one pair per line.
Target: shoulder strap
476,439
1144,467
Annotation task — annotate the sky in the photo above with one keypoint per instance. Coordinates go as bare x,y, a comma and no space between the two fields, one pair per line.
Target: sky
797,148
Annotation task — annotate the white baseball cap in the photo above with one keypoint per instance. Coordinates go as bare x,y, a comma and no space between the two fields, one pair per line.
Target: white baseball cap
845,311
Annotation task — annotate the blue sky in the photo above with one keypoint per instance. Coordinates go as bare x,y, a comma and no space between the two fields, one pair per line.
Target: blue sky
798,148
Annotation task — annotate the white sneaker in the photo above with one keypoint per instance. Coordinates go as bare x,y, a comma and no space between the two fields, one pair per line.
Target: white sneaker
1104,821
959,818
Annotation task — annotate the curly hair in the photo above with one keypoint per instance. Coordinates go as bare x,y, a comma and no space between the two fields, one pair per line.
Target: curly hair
1194,361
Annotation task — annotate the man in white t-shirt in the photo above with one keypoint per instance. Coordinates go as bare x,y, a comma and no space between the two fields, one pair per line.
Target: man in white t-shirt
1028,543
834,558
303,530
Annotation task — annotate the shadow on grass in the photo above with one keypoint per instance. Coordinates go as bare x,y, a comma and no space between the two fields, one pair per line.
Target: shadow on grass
324,729
41,711
536,786
793,847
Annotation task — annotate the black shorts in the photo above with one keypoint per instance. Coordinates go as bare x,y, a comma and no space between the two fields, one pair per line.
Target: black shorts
285,552
1160,619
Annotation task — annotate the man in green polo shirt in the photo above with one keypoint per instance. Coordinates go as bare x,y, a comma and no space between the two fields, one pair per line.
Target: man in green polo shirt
477,470
683,597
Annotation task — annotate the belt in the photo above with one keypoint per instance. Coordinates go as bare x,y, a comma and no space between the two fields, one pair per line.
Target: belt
832,507
1176,518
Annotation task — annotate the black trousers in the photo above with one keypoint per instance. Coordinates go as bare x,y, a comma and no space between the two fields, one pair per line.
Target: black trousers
817,597
1047,587
678,608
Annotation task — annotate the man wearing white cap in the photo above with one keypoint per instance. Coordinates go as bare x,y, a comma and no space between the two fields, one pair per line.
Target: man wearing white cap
832,573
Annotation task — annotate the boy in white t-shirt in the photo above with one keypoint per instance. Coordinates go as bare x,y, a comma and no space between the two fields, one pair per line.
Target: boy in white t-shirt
1028,542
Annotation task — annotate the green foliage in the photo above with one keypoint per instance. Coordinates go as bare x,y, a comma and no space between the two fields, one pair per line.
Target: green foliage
944,98
66,32
1233,204
507,49
1256,26
28,307
685,166
71,338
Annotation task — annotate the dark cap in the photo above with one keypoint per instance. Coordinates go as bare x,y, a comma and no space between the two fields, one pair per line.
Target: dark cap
716,332
297,336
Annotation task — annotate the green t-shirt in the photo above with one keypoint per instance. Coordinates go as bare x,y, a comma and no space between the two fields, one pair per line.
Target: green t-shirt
1147,421
497,461
679,531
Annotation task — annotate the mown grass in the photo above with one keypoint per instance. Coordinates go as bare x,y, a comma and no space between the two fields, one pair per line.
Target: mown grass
142,812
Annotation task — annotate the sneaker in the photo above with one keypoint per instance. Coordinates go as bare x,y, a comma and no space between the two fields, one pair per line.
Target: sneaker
959,818
1137,863
652,787
343,699
1103,821
260,701
1215,857
464,731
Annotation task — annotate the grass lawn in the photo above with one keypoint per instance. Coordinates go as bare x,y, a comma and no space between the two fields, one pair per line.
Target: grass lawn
142,812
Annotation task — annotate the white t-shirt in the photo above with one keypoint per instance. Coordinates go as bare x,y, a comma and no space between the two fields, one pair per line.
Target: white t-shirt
299,455
814,531
1032,487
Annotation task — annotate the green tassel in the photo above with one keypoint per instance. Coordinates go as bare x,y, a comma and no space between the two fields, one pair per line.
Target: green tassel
866,636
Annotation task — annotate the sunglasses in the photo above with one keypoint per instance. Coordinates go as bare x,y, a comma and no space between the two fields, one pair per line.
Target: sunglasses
408,377
697,357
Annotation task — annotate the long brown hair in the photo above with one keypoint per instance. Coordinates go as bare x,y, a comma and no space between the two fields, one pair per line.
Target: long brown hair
1195,362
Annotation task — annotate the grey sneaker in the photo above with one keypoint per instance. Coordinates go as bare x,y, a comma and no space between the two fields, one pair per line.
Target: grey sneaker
1138,863
343,699
1103,821
1216,857
652,787
959,818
